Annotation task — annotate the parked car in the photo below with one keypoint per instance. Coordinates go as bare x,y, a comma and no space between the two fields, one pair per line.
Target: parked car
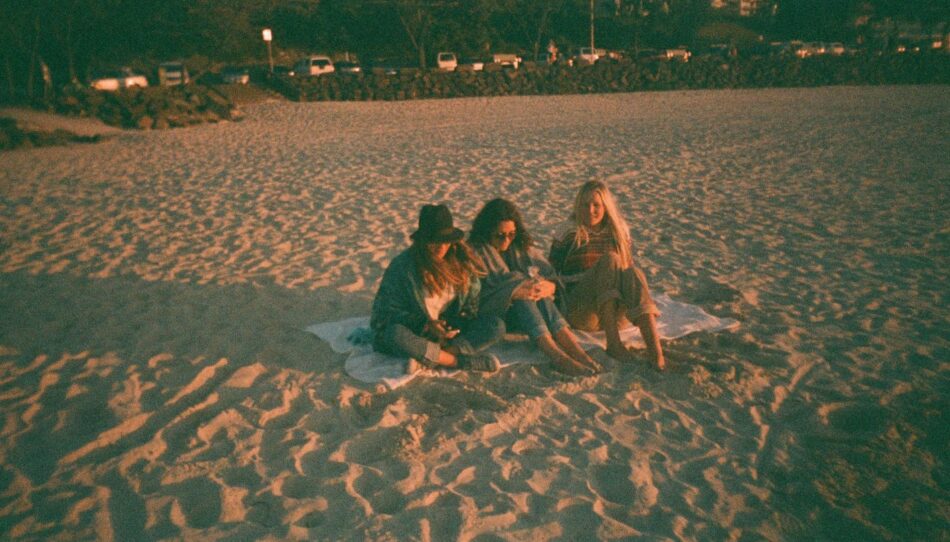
118,79
283,70
314,65
812,48
446,61
506,60
235,75
835,48
347,66
907,46
172,74
587,55
471,64
680,54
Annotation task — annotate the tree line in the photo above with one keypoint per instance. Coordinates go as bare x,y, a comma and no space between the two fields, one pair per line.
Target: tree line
58,41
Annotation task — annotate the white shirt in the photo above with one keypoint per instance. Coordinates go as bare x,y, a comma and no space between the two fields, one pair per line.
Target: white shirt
436,303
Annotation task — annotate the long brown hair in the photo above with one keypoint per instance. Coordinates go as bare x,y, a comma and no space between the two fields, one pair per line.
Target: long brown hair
494,213
456,269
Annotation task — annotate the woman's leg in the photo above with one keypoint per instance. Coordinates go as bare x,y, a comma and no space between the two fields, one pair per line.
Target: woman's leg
607,296
563,335
612,319
647,325
642,311
593,303
476,335
597,286
532,318
524,316
398,340
568,342
559,359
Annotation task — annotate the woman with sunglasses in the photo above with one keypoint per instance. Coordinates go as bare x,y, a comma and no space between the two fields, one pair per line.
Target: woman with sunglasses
515,287
604,288
426,307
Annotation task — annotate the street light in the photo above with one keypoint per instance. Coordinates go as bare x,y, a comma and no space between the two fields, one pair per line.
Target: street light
592,28
268,37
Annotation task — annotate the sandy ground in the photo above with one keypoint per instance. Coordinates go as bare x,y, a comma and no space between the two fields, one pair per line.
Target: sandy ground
155,382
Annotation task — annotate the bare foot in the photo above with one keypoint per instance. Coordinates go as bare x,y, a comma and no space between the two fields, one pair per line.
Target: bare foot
659,361
590,363
413,366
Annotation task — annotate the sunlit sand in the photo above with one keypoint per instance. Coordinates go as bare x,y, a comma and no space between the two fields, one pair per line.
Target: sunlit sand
156,383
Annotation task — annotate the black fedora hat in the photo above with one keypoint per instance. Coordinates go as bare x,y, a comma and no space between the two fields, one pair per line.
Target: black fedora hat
436,226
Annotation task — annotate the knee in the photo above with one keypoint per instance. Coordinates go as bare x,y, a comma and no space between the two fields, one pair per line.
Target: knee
522,304
497,326
493,327
386,340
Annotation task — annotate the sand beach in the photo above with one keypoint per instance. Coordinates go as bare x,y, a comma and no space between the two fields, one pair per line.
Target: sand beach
156,382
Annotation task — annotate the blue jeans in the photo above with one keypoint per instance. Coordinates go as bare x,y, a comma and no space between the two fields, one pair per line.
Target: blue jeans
536,318
475,336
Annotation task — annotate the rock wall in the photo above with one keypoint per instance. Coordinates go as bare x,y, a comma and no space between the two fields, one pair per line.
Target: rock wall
607,77
147,108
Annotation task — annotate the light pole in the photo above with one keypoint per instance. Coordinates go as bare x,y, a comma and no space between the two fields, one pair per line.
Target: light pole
592,27
270,57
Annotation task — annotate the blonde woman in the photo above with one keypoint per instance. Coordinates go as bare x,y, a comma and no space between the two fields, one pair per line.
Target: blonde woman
426,307
604,288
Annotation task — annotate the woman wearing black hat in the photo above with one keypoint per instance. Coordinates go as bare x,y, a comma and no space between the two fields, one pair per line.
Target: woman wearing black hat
427,304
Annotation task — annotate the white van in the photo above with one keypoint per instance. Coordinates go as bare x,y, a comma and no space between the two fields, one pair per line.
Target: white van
314,65
506,60
586,55
447,62
680,54
172,74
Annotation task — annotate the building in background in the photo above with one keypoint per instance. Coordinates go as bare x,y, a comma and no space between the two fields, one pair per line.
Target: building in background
743,8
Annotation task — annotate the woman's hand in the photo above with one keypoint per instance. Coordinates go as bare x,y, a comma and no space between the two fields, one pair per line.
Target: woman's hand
544,288
439,331
534,290
523,291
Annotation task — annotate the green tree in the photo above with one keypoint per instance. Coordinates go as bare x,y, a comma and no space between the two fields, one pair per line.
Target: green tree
525,24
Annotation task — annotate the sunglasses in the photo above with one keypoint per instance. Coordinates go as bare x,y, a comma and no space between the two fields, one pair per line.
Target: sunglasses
510,236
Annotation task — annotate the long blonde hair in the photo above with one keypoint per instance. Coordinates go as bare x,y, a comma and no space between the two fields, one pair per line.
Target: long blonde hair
618,226
456,269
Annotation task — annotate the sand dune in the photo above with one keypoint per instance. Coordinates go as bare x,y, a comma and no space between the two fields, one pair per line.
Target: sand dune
155,382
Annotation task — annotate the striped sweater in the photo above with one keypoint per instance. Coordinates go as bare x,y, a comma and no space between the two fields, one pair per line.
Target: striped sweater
570,260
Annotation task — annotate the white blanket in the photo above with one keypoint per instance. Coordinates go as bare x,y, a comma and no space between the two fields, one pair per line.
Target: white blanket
362,363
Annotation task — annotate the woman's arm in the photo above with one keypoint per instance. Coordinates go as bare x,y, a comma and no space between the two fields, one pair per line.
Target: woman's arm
395,301
500,284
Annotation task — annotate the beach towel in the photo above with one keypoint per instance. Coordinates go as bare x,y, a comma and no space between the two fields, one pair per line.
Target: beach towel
352,337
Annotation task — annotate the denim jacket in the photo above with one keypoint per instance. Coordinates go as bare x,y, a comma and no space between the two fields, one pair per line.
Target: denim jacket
401,299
